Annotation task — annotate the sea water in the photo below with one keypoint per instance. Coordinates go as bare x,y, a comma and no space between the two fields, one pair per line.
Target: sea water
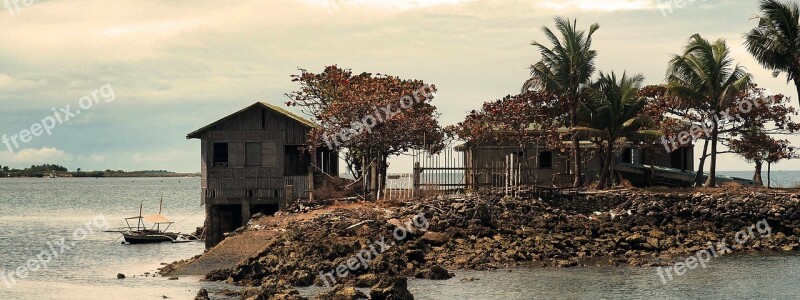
37,214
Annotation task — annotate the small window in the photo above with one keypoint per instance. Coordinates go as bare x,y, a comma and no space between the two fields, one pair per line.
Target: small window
627,156
220,154
546,160
252,153
296,160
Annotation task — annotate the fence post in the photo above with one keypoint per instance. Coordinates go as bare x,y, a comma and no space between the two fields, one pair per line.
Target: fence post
416,175
373,181
289,194
310,185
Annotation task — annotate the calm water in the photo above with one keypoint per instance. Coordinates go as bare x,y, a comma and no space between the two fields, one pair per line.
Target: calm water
731,277
34,212
781,179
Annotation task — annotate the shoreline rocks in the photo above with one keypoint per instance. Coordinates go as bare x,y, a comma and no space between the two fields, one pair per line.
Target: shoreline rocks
634,228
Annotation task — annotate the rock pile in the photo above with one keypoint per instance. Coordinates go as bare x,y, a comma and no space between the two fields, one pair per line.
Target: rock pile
490,232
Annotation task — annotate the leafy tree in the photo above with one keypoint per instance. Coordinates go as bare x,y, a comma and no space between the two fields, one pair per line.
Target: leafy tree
565,68
775,42
754,146
512,120
615,114
519,119
373,116
778,151
758,147
706,79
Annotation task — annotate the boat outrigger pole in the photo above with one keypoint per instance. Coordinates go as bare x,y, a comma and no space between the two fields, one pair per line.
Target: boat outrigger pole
160,204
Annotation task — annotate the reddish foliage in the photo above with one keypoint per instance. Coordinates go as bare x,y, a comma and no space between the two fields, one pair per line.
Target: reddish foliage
517,119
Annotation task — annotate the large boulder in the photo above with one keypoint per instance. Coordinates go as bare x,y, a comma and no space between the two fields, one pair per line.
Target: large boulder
434,273
391,288
435,238
341,292
271,288
202,294
366,280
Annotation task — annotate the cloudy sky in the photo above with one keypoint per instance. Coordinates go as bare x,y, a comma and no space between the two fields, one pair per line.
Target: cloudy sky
174,66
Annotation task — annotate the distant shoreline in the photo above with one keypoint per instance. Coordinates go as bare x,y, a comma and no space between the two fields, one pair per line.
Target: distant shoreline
91,175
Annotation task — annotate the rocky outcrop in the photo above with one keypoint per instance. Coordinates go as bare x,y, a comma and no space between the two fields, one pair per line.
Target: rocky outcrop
272,288
341,292
202,294
392,288
488,232
434,273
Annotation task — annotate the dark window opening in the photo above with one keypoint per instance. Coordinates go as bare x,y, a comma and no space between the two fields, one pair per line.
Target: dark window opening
546,160
677,159
328,160
265,209
220,154
230,218
296,160
627,155
252,153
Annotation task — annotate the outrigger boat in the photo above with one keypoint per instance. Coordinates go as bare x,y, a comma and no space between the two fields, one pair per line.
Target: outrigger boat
141,234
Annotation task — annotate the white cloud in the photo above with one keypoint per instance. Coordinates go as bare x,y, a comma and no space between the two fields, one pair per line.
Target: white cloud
163,29
8,83
192,62
34,156
332,5
595,5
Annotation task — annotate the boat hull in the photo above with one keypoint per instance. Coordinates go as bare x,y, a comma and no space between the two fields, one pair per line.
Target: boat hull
137,238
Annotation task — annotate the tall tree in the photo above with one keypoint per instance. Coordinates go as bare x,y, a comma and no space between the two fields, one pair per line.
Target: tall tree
754,146
519,119
775,42
566,67
615,114
706,78
373,116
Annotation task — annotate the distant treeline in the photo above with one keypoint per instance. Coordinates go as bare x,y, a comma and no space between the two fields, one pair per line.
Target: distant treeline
48,170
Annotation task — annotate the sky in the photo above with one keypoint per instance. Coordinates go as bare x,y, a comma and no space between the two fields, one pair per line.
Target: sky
134,77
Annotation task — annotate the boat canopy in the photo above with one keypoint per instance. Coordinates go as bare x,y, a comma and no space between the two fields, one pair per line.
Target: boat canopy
156,219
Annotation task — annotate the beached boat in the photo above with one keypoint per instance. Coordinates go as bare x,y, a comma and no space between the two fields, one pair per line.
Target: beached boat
141,234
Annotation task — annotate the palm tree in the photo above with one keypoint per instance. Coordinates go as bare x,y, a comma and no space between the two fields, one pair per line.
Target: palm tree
565,68
706,79
775,42
615,112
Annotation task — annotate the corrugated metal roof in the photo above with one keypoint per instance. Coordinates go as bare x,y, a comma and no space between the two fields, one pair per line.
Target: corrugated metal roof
289,114
196,134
